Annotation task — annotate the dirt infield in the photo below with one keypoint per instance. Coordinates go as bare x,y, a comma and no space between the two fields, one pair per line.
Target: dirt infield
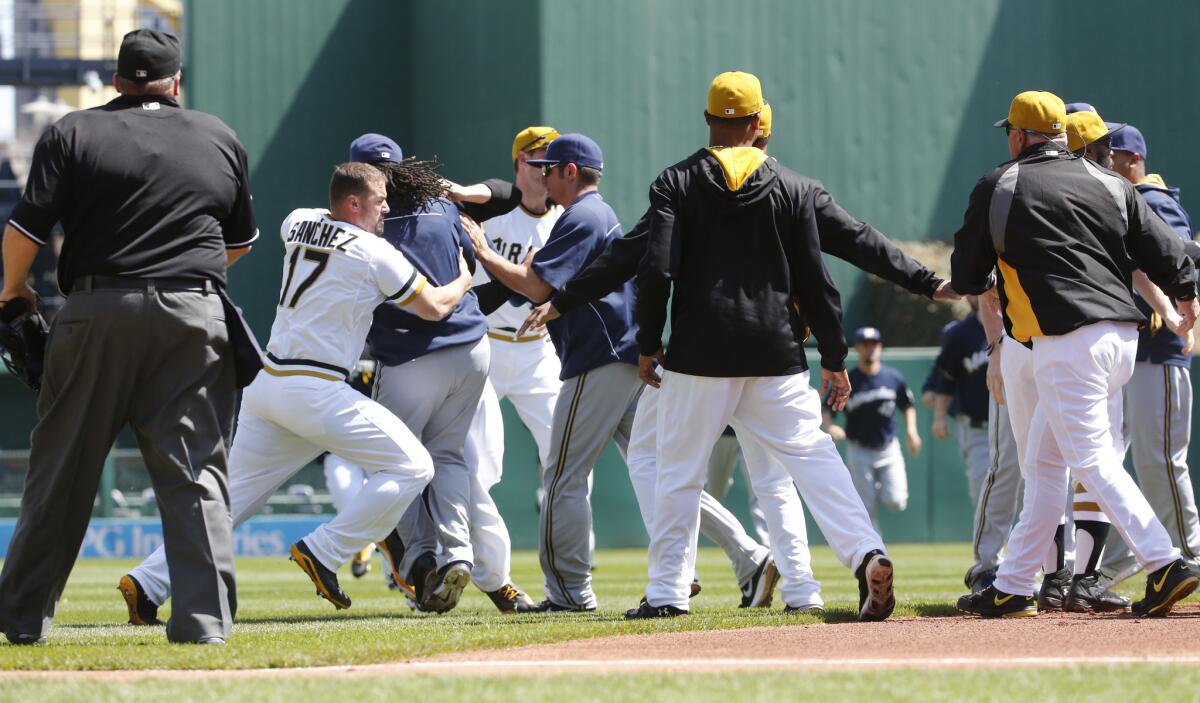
913,642
1050,639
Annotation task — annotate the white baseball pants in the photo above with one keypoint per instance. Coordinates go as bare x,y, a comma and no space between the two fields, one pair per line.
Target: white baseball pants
527,374
286,422
782,414
489,534
1071,395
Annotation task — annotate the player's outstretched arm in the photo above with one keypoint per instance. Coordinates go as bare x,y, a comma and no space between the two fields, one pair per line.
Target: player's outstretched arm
520,278
436,302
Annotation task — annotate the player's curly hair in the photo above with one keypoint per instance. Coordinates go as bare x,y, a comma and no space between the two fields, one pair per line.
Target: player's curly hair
411,183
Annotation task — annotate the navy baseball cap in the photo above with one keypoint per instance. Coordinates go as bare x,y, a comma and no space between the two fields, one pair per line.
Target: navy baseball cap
1129,139
372,147
867,334
1072,108
572,149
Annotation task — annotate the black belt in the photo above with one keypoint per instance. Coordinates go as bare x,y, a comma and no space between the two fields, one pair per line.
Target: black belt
90,283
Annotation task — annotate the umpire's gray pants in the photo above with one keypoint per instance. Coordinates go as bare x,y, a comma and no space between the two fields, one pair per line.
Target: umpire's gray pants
1158,425
436,396
592,408
999,494
161,362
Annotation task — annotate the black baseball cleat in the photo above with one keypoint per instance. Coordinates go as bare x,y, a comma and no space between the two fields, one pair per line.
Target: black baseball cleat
423,576
1088,596
446,587
1165,588
645,611
979,581
990,603
876,599
392,549
509,599
141,610
1053,593
549,606
760,589
325,580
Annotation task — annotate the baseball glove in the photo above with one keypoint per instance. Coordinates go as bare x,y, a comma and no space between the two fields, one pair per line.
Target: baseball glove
23,341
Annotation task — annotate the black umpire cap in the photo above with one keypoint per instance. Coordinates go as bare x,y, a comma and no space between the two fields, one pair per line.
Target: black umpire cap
148,55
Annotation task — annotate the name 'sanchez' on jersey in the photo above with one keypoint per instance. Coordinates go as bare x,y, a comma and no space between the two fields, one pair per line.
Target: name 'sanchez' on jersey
320,234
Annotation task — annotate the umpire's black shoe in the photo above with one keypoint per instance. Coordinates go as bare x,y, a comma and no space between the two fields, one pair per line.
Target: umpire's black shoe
141,610
645,611
325,580
1053,593
760,589
1088,596
549,606
448,587
990,603
876,599
24,638
1165,588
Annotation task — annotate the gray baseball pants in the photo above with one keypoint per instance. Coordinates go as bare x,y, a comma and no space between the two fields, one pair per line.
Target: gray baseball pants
592,408
999,494
976,453
1158,424
879,476
436,396
161,362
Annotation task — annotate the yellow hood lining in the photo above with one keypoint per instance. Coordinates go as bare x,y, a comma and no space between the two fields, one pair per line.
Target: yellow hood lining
738,162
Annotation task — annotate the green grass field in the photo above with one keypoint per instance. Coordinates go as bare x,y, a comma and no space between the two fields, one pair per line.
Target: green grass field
281,623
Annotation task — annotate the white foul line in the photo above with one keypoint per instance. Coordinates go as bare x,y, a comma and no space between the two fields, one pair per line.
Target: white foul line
549,667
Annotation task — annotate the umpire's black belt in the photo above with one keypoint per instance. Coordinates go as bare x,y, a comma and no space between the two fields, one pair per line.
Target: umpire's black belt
91,283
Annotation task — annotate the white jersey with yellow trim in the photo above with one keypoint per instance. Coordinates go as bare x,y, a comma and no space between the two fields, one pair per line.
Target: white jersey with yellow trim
512,234
334,276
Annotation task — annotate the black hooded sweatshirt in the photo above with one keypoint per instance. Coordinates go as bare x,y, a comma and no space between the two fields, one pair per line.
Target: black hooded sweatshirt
738,238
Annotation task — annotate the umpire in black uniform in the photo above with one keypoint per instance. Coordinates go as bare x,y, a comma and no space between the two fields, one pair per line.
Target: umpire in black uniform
155,203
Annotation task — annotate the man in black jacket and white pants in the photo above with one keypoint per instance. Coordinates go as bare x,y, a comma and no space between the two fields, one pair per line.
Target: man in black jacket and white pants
738,235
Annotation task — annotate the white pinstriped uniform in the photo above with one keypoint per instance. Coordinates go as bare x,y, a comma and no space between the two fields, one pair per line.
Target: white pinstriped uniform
334,276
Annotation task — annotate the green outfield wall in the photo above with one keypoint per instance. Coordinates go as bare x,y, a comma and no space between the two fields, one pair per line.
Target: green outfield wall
890,104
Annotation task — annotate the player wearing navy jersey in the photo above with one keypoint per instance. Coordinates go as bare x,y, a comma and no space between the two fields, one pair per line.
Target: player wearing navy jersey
962,364
1158,398
872,450
597,349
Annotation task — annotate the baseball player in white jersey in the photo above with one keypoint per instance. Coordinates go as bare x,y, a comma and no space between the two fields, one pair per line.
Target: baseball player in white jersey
524,368
336,272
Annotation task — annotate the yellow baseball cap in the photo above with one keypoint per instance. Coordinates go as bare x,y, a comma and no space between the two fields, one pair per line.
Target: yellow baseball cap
735,94
1038,111
764,122
532,139
1083,128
